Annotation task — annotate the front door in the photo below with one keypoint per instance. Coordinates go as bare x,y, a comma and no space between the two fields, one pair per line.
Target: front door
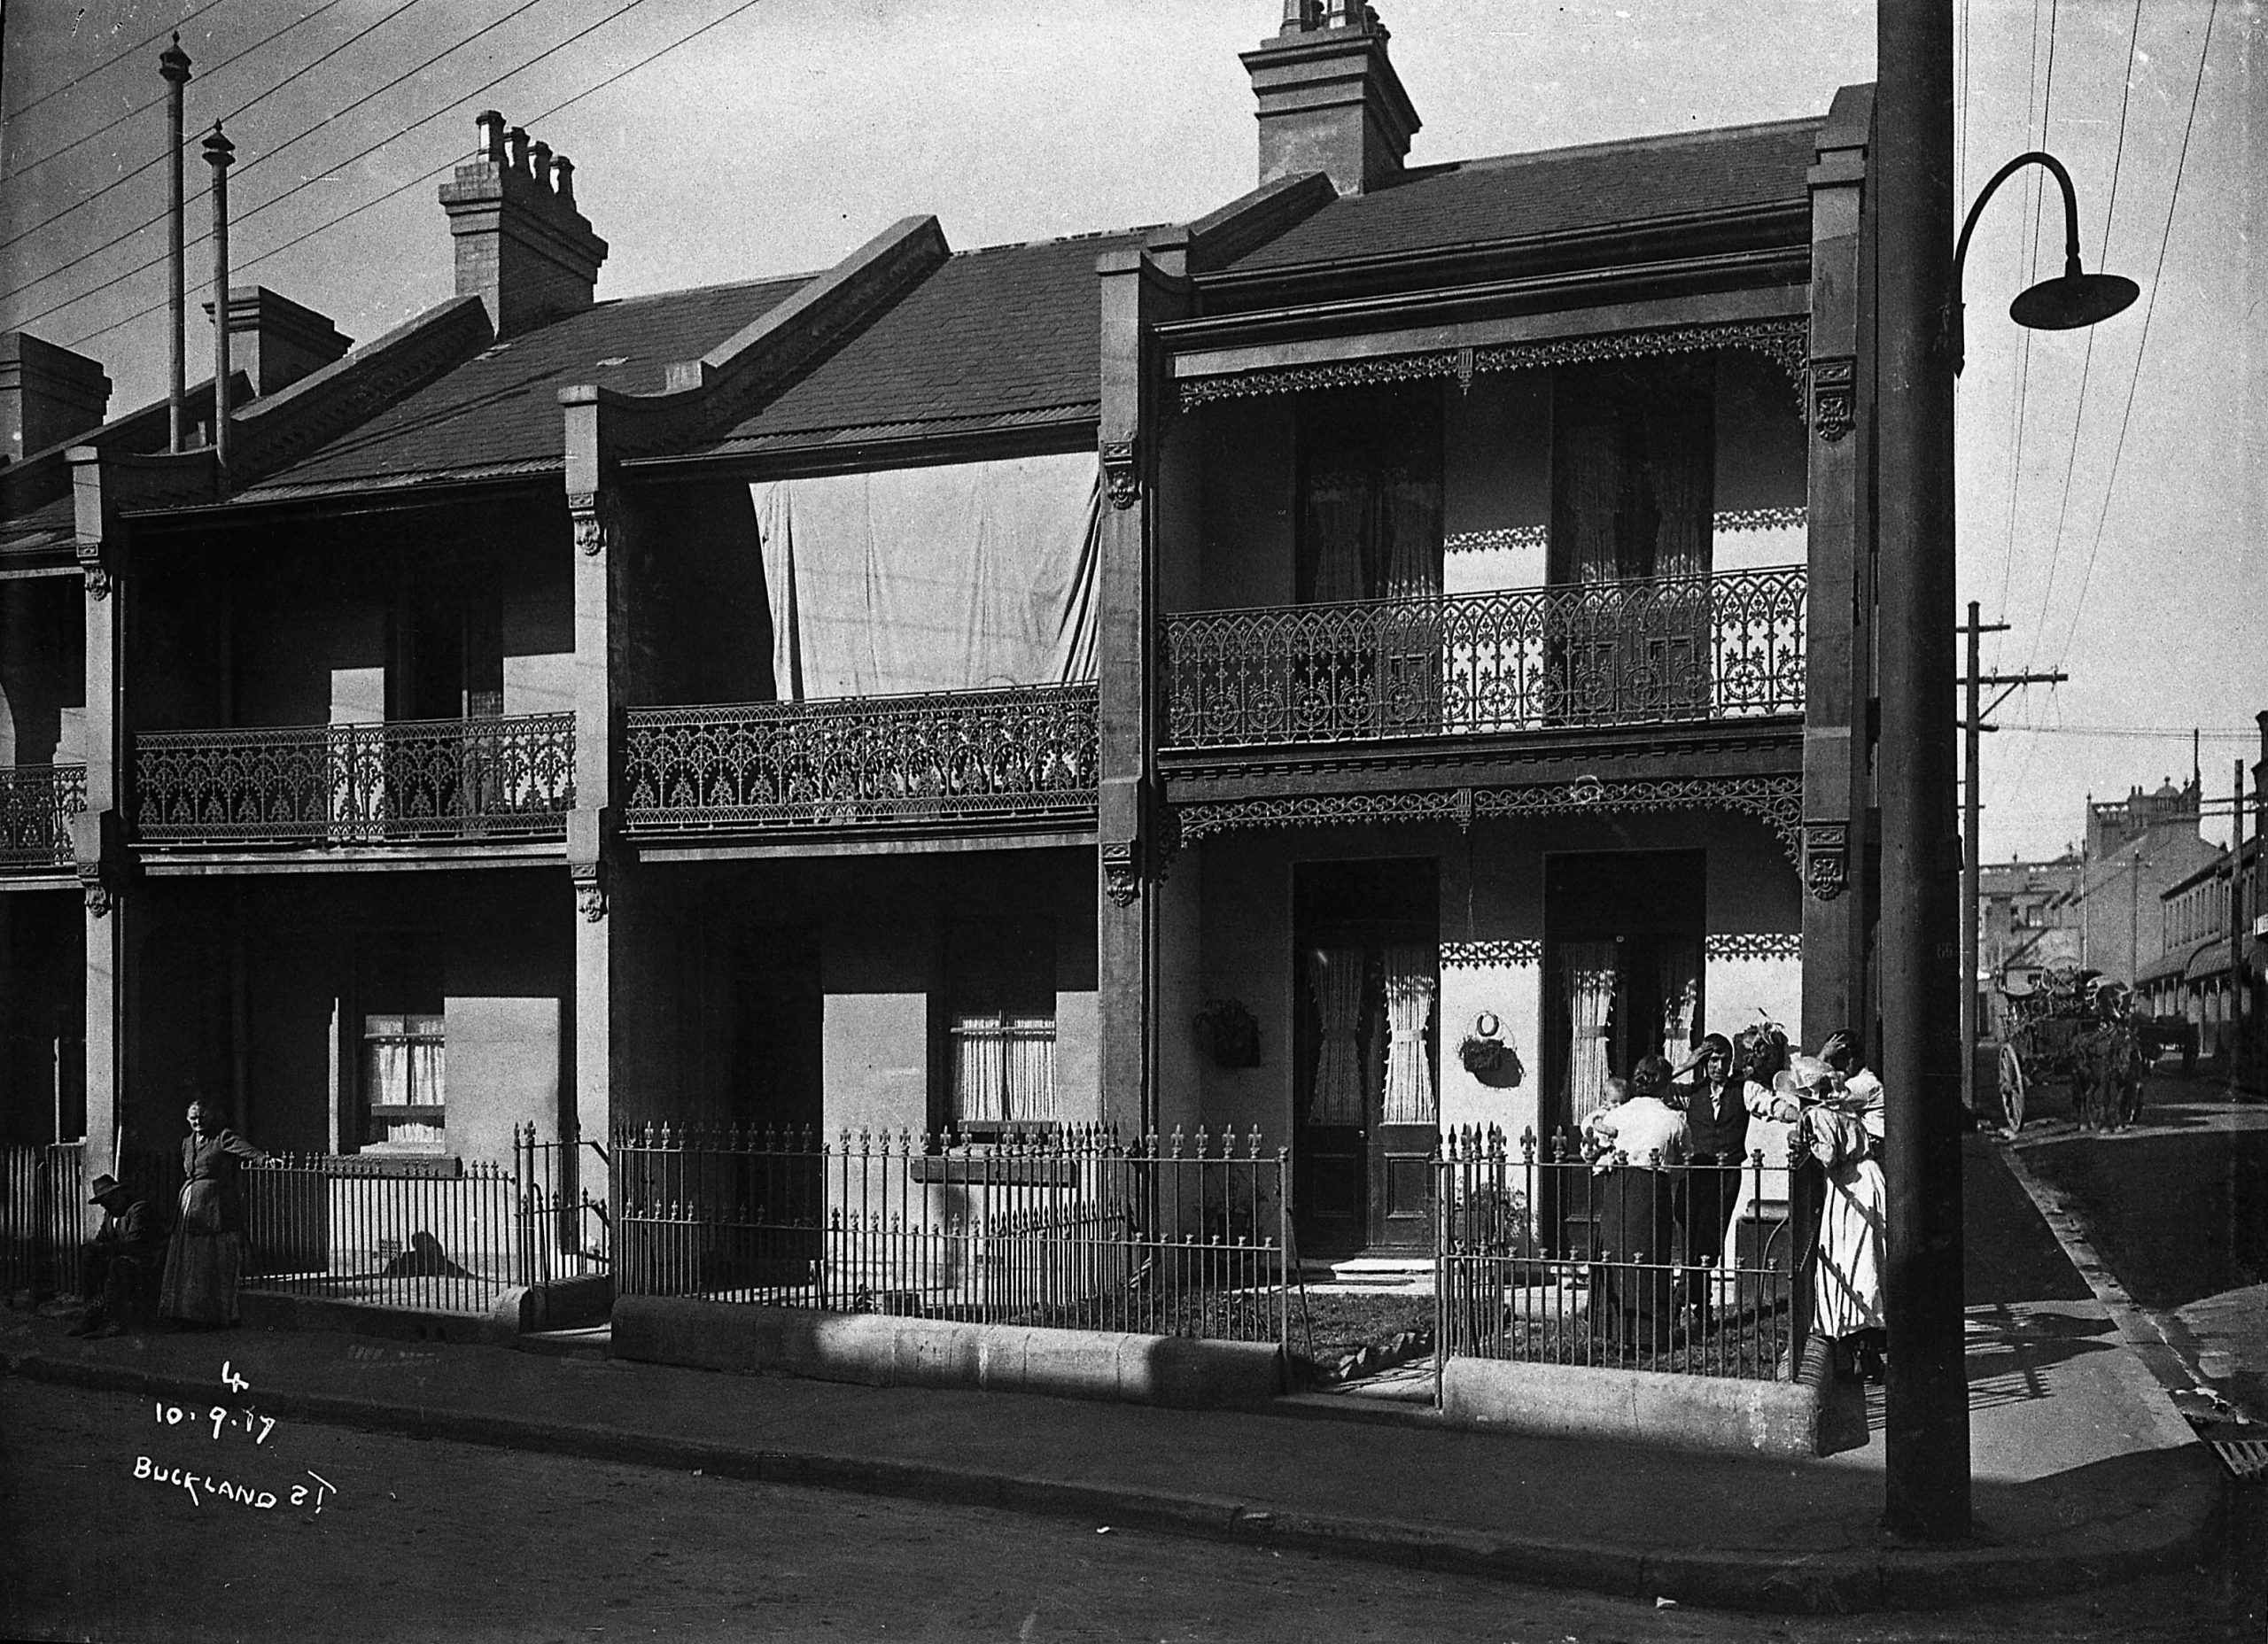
1367,946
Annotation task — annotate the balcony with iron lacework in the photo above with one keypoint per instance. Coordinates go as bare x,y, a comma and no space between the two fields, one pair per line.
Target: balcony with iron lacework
36,805
1601,655
1018,759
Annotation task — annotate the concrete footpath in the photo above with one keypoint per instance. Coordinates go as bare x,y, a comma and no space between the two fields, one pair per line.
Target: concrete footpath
2083,1472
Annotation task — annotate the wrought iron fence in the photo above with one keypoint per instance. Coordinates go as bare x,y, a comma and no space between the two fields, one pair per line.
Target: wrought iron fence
1072,1228
1726,645
1686,1268
436,1235
42,1217
1023,754
357,784
36,805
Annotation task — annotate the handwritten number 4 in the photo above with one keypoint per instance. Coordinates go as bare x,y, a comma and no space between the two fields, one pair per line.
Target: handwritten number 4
230,1380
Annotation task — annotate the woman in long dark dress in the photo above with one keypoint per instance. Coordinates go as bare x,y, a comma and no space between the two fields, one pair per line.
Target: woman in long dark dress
204,1259
1629,1145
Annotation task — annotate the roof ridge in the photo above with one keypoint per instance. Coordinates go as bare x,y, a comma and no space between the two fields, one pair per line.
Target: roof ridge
1663,139
1062,240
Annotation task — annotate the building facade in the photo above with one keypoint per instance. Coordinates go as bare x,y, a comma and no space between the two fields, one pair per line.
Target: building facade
1373,660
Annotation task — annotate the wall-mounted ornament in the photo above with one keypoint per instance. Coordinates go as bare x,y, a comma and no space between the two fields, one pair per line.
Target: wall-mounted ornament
1834,396
1486,1056
1122,879
1120,479
1231,1033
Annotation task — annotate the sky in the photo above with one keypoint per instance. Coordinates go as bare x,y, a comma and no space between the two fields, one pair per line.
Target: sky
2113,492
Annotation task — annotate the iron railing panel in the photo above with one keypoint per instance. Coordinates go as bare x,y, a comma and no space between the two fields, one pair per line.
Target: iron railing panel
36,805
1553,1260
1727,646
1021,755
378,783
1069,1228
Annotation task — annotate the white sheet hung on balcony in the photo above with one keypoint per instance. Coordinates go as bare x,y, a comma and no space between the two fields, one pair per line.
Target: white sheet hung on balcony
961,578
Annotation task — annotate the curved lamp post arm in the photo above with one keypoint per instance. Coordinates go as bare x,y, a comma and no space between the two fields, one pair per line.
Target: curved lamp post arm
2037,157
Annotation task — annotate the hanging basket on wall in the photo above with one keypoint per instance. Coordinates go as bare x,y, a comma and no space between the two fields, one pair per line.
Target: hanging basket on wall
1486,1056
1232,1032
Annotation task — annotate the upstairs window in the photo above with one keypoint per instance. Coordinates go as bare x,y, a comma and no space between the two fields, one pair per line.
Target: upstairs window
1370,499
1632,470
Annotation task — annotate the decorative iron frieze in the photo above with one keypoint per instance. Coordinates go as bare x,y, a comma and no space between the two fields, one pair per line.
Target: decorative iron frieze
36,805
975,758
1753,945
1825,845
1726,647
1795,517
1834,396
1122,481
1122,876
1775,801
1518,953
1530,536
386,783
1784,339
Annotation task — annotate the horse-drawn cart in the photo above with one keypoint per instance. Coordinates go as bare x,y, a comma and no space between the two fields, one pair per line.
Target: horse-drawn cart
2050,1018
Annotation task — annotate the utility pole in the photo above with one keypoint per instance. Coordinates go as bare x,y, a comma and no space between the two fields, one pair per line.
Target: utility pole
2237,990
1926,1455
1973,728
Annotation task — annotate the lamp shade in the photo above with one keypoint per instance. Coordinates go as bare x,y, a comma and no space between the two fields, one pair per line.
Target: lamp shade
2071,300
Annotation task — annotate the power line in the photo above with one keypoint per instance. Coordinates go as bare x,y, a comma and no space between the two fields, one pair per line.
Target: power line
153,222
424,177
130,52
2019,399
2149,309
206,73
2140,733
2086,362
321,176
2039,205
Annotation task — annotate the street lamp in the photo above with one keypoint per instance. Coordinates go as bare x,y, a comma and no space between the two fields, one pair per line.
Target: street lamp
1918,352
2072,298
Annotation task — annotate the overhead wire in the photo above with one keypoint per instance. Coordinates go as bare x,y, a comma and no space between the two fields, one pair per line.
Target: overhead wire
205,72
427,175
315,178
76,81
2141,349
116,239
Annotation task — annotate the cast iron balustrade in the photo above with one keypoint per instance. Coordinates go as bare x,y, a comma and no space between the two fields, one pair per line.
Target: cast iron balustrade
449,779
36,805
1022,755
1722,647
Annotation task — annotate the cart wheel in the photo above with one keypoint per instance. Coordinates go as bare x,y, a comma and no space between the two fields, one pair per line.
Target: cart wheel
2012,1086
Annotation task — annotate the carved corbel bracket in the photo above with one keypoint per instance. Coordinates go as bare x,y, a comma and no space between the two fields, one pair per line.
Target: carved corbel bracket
1834,396
1122,872
1121,475
1826,845
94,568
98,888
590,888
596,522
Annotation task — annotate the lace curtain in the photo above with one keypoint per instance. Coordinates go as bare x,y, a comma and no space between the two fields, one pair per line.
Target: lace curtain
1336,505
1589,456
1003,1068
1587,978
1678,461
1411,974
1680,979
1335,983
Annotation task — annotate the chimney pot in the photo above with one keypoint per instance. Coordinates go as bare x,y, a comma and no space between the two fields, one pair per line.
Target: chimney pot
516,143
562,180
522,247
539,163
490,124
1330,100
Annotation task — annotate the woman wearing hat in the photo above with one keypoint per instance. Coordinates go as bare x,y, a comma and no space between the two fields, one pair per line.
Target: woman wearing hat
1716,1134
1628,1144
204,1259
1843,1112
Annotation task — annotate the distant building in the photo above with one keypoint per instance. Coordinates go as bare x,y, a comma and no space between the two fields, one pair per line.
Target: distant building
2136,849
2025,923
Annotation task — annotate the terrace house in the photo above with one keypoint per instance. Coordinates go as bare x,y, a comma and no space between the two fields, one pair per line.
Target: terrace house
1373,659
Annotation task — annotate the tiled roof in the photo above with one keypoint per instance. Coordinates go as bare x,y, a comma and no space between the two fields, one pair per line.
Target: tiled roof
1524,196
991,338
500,411
45,526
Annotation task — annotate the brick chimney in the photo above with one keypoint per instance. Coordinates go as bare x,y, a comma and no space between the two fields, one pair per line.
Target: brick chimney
47,395
1330,100
276,341
521,247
